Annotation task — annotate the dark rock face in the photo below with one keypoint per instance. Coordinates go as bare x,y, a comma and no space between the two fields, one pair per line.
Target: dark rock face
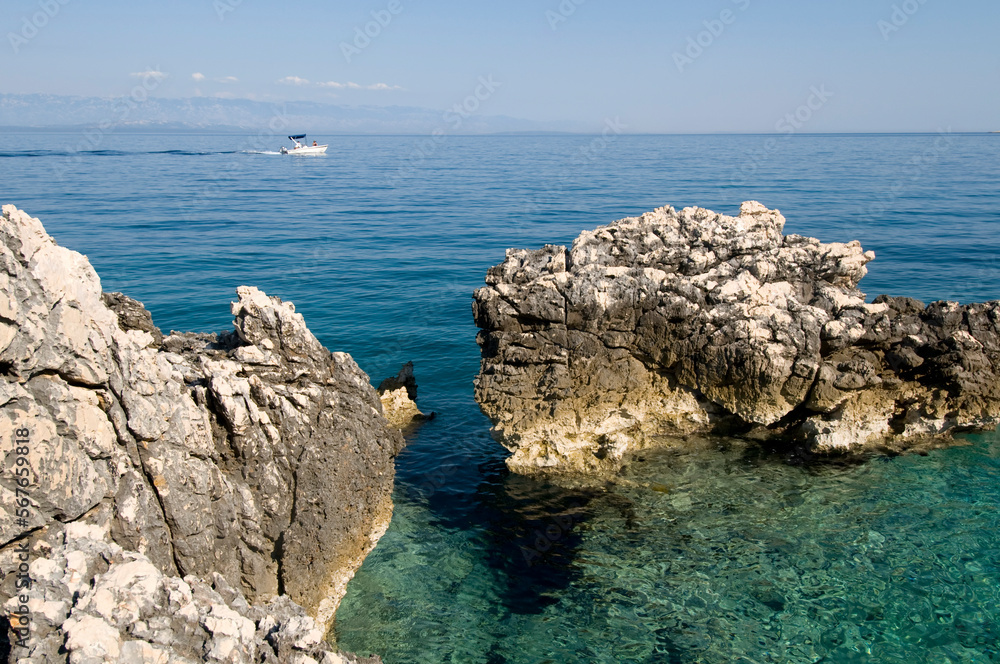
257,454
404,379
399,400
676,323
132,315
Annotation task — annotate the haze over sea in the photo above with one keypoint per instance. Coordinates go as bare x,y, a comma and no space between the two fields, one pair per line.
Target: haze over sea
727,554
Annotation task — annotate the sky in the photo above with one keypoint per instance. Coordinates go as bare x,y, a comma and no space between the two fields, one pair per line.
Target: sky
642,66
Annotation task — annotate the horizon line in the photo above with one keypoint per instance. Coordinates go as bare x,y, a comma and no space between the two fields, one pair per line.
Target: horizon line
181,128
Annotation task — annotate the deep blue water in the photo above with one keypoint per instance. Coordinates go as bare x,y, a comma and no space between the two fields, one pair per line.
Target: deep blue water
704,557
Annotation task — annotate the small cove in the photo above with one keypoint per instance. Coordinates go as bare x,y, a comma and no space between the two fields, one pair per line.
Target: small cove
706,556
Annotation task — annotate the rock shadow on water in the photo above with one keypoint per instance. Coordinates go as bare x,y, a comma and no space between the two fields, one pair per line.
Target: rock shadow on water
534,534
530,530
525,536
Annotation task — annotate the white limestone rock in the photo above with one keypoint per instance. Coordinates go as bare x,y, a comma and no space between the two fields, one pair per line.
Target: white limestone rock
189,450
126,610
673,323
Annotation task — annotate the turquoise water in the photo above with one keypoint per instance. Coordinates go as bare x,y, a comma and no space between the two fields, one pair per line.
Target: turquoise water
708,556
716,555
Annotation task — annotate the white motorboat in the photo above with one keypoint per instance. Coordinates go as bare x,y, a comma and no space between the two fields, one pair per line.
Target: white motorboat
301,148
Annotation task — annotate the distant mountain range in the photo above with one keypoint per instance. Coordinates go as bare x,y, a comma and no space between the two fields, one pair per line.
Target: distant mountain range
209,113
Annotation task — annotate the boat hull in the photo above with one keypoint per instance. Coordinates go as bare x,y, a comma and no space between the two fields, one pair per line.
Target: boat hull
308,149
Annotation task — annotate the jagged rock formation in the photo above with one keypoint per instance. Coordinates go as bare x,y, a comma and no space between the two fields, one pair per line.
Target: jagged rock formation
675,323
92,601
399,400
257,454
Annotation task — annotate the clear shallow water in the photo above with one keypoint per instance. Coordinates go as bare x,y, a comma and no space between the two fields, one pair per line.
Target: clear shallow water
707,556
700,557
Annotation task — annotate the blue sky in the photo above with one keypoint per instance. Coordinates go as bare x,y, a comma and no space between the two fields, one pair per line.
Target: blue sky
849,65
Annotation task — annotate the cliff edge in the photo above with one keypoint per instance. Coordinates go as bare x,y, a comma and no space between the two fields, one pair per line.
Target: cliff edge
255,455
676,323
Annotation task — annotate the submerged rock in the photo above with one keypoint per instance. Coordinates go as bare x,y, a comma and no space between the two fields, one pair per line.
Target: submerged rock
675,323
255,454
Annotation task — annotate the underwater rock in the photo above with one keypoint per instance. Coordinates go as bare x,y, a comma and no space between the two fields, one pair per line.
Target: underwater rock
674,323
256,454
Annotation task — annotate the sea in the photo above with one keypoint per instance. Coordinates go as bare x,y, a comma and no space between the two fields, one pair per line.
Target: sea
721,554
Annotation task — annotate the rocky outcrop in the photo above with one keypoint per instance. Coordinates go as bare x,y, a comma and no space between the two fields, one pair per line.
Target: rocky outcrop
676,323
132,315
399,400
92,601
255,454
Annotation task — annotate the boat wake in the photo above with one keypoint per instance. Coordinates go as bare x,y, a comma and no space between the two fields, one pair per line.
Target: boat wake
111,153
12,154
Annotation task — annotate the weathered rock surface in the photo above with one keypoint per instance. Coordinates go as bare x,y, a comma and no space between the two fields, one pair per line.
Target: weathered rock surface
399,400
94,602
255,454
676,323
